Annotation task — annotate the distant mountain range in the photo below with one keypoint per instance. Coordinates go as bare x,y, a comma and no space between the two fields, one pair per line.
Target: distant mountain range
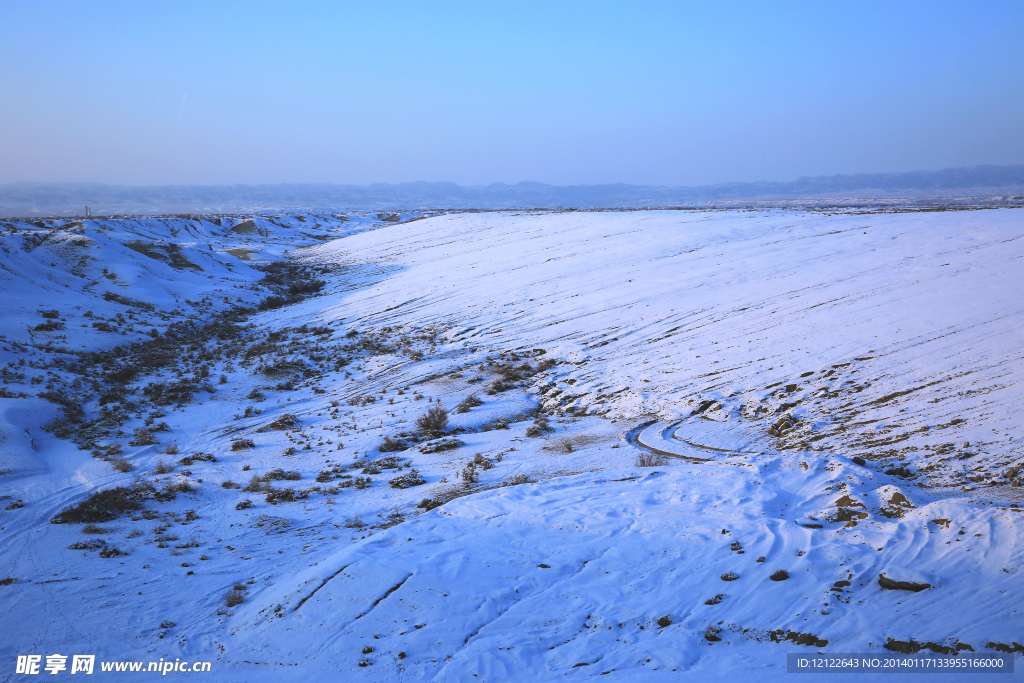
1000,183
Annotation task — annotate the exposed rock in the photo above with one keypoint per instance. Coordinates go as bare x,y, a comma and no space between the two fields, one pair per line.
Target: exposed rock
897,505
245,228
809,639
894,585
1000,647
899,472
781,426
909,647
851,517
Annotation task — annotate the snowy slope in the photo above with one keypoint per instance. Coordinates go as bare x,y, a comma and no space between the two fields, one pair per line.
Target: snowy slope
661,311
534,548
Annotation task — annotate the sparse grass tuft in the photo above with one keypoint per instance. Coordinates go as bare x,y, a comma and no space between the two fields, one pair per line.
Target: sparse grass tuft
780,575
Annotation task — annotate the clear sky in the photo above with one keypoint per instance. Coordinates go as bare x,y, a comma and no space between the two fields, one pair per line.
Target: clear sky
675,93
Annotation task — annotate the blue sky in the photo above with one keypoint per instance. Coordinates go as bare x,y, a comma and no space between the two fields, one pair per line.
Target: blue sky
673,93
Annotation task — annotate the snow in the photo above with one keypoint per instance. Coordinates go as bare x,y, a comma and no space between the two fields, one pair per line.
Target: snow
889,337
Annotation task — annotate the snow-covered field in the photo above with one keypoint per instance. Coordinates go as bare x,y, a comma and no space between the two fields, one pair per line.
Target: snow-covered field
826,396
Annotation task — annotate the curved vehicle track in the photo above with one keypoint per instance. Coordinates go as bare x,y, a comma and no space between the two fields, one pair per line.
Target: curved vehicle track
691,439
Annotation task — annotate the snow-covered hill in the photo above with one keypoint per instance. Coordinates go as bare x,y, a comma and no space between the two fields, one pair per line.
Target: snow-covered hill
679,444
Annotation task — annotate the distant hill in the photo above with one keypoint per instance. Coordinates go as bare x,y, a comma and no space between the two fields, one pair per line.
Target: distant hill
26,199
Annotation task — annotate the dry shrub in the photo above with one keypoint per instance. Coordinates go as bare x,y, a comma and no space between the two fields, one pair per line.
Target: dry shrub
275,496
650,460
105,505
442,445
540,427
392,445
278,473
434,420
121,465
407,480
286,421
143,437
468,404
255,484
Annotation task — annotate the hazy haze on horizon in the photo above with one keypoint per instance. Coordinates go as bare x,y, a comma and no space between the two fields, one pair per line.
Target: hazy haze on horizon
562,93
